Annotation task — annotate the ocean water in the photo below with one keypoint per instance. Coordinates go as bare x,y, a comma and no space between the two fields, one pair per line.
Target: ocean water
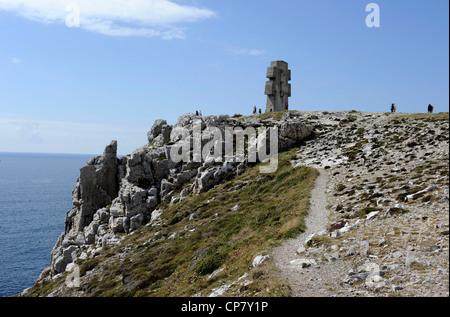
35,195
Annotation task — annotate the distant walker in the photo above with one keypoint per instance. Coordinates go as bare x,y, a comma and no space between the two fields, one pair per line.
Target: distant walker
393,108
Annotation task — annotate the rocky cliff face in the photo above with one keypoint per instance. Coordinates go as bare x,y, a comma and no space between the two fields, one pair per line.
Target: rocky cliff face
116,196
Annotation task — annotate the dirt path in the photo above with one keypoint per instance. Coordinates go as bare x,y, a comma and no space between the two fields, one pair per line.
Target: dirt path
311,281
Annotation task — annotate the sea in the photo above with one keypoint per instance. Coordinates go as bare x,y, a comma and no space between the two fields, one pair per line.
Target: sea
35,195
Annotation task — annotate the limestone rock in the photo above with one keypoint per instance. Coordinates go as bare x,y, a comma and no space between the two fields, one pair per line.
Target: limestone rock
136,221
292,133
206,180
97,186
90,231
258,260
159,133
155,217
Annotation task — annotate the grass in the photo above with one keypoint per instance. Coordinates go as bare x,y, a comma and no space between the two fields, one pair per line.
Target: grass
88,265
441,116
264,116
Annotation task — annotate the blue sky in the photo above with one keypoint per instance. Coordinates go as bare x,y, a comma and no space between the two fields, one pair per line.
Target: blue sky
73,90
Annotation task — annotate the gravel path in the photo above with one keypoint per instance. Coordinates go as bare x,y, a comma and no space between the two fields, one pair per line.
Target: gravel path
312,281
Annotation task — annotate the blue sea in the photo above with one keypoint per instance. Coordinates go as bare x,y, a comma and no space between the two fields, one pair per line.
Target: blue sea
35,195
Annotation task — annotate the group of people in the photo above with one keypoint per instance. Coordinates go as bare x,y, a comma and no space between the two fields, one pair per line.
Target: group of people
394,108
198,113
255,110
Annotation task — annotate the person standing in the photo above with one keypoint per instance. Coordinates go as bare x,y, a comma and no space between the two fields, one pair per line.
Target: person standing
393,108
430,109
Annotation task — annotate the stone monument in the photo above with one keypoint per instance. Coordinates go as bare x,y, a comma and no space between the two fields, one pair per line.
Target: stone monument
278,89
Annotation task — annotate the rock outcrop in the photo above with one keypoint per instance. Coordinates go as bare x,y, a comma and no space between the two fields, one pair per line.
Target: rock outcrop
114,195
96,187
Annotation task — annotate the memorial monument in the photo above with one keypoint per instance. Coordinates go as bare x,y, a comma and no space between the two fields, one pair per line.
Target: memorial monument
278,89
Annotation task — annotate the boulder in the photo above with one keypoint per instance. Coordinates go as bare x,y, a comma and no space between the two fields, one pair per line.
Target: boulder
90,232
156,129
156,217
292,133
66,256
166,187
152,202
136,221
117,224
258,260
185,176
163,137
116,211
102,215
206,180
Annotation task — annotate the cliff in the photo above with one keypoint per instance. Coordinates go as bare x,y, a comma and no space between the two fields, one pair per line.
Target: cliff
186,216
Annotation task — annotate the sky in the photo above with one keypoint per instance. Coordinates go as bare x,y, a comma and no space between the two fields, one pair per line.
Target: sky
76,74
